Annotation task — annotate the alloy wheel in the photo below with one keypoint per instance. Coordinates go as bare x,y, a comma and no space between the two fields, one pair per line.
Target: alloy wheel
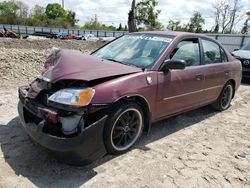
226,96
126,130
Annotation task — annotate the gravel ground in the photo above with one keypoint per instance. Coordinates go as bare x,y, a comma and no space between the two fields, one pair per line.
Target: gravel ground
21,60
201,148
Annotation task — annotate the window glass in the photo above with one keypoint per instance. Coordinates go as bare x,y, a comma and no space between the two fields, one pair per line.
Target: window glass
187,50
152,49
212,52
140,50
246,47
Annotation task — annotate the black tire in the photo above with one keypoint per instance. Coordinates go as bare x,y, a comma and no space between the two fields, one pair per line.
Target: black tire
224,100
123,128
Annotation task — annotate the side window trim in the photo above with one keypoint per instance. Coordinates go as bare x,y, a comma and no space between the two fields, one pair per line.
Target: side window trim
225,54
202,54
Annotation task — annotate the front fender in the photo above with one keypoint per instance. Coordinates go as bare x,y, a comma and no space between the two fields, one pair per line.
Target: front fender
130,85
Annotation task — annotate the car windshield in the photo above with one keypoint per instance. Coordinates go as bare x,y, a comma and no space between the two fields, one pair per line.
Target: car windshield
246,47
140,50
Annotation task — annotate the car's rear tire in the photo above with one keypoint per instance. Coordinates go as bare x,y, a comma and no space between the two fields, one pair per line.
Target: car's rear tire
224,100
123,128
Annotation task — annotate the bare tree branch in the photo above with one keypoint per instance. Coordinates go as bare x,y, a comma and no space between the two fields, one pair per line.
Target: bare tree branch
225,15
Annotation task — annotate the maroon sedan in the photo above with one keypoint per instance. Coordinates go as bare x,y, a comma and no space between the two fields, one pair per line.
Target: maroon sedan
84,106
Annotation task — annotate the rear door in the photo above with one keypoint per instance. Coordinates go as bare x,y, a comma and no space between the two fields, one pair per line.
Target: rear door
217,70
179,90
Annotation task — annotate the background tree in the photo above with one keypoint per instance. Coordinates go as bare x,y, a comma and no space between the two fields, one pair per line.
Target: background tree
38,12
147,15
57,16
54,11
226,15
17,12
246,25
217,14
22,11
71,18
8,12
120,27
95,24
174,25
195,23
132,18
216,28
234,11
38,16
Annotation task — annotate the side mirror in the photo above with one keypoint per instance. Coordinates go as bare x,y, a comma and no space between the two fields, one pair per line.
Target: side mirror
173,64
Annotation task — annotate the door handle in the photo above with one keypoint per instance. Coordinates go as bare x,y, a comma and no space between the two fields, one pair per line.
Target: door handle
199,77
227,72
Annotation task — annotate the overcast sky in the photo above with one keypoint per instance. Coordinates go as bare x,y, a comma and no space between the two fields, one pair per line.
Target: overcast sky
116,11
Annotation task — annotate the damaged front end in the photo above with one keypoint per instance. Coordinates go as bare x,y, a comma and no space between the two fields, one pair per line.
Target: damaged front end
57,110
73,134
59,116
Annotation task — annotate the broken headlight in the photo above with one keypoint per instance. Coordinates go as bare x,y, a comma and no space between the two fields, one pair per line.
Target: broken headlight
75,97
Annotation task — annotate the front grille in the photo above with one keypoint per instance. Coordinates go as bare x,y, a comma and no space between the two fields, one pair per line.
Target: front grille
42,97
246,73
31,117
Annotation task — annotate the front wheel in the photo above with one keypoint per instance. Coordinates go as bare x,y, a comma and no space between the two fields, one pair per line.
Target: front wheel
225,98
123,127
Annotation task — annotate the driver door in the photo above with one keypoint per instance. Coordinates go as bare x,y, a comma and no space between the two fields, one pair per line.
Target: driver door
180,90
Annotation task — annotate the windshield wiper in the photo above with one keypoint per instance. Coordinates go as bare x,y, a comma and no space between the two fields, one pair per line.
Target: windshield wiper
114,60
123,63
119,62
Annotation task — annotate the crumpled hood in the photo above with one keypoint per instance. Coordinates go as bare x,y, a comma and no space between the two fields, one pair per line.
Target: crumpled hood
74,65
242,54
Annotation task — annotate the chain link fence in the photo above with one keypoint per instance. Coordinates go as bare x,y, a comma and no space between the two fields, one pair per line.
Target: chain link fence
230,41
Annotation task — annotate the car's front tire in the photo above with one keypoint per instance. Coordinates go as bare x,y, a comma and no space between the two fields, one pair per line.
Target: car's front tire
123,128
224,100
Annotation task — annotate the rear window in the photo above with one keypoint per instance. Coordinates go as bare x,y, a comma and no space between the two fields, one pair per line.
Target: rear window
213,53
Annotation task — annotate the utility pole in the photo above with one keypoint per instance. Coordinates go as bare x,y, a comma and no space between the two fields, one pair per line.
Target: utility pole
63,4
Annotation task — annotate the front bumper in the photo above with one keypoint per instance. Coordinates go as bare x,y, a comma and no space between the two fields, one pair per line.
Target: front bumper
79,150
245,72
245,67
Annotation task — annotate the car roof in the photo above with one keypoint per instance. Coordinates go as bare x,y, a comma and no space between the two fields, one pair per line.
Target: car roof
175,33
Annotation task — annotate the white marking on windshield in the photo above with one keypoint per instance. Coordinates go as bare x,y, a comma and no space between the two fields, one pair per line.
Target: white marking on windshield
154,38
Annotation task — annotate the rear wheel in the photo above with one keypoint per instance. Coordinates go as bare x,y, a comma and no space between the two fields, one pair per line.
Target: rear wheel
123,127
225,98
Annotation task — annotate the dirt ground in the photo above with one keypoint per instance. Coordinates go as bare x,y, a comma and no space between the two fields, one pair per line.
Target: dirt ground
201,148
